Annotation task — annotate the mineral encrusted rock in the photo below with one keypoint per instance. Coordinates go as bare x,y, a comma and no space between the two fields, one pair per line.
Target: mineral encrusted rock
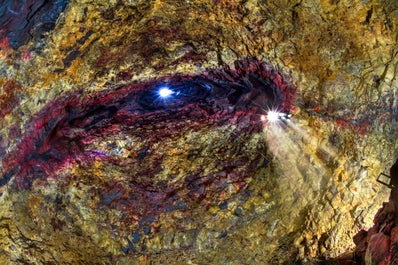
274,194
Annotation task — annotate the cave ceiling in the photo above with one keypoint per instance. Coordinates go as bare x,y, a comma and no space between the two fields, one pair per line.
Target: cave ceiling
193,132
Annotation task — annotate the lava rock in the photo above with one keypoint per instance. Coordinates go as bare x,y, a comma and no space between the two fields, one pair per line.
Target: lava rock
378,249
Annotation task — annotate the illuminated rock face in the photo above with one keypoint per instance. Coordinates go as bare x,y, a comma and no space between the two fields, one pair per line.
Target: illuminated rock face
98,167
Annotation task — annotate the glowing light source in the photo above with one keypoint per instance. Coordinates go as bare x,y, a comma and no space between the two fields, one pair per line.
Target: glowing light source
164,92
274,116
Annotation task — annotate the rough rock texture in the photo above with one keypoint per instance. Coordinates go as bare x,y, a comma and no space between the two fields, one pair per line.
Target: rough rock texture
23,20
97,169
379,245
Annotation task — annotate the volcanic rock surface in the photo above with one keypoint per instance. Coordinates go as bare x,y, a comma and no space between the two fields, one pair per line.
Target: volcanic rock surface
98,168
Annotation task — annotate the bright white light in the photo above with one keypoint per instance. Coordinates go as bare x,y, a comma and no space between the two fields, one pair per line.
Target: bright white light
164,92
273,116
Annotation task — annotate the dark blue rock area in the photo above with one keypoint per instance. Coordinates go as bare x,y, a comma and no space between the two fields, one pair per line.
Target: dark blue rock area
22,20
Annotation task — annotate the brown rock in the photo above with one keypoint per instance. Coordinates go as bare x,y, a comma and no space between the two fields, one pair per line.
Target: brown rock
394,254
385,214
378,249
373,230
394,235
360,236
360,241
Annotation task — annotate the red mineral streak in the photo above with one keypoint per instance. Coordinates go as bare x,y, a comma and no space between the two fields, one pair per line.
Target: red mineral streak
4,43
26,56
359,126
9,97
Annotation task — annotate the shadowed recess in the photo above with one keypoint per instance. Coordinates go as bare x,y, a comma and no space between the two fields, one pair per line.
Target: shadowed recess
21,21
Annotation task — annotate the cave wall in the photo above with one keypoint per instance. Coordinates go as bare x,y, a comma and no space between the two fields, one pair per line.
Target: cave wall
274,194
